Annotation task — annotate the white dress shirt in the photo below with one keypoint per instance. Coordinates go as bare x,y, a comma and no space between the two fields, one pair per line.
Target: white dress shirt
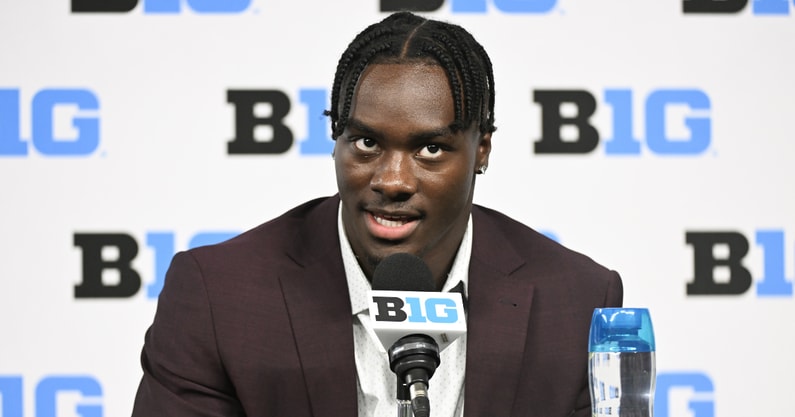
375,381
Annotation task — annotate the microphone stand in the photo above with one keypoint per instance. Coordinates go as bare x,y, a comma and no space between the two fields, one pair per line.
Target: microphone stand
414,360
403,399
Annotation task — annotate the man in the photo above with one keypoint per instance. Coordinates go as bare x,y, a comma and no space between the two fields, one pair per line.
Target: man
274,321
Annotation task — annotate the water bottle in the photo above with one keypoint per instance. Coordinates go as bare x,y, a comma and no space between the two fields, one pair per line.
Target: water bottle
621,367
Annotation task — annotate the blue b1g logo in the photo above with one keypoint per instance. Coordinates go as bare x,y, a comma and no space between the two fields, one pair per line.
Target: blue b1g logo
707,264
96,263
697,385
161,6
760,7
470,6
658,106
46,107
46,396
247,120
432,310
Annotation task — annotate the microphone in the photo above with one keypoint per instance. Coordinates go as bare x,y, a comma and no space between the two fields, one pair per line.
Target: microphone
414,323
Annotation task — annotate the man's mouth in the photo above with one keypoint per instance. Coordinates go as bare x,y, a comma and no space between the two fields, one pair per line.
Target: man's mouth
391,227
390,221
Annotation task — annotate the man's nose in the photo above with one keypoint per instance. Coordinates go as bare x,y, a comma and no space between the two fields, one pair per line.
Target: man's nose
395,176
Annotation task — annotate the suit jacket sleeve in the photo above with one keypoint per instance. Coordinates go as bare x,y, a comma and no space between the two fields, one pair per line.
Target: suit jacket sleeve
183,373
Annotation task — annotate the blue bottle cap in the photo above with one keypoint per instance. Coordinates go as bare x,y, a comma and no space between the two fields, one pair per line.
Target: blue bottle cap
621,330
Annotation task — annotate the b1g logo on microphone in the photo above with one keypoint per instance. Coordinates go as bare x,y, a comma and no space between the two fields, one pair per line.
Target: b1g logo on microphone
470,6
160,6
394,314
107,270
718,264
566,127
760,7
260,128
694,388
431,310
63,123
46,396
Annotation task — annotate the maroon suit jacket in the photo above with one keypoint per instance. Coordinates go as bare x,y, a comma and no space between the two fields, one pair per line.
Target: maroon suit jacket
261,325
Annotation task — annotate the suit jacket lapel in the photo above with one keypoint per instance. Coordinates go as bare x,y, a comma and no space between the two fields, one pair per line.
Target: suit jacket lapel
499,311
316,295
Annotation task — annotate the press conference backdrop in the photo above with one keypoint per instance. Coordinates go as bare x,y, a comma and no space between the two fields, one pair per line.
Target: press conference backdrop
655,136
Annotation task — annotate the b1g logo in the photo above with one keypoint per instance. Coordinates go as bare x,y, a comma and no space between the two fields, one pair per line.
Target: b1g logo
697,389
107,261
46,396
394,314
161,6
760,7
64,122
725,251
570,111
431,309
265,110
470,6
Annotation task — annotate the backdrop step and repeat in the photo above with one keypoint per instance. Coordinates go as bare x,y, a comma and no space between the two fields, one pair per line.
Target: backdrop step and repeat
655,136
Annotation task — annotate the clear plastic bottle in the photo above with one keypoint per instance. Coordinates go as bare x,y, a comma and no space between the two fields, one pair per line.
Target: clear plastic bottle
621,363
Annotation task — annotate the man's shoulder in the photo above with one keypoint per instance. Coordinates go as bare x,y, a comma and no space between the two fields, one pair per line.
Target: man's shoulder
499,230
281,234
497,225
316,210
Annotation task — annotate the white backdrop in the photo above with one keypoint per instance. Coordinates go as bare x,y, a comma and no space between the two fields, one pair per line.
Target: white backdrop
160,170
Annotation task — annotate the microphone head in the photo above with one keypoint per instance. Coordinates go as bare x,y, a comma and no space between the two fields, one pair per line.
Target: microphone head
404,301
402,272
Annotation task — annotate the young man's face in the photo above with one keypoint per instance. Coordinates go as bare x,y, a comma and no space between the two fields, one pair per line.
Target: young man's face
405,179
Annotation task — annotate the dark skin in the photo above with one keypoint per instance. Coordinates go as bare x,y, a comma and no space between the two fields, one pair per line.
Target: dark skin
405,177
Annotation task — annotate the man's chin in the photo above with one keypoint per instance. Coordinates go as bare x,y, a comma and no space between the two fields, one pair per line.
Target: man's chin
371,260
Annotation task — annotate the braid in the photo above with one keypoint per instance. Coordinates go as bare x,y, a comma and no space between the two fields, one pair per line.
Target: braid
405,37
487,108
466,73
449,66
343,66
354,75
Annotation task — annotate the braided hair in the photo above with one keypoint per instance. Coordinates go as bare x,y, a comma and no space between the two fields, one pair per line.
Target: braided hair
405,37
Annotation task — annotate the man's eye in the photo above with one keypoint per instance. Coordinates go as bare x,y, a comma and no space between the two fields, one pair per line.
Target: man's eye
431,151
365,144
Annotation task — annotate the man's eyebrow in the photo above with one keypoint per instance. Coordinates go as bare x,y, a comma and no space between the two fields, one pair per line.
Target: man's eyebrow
433,133
418,136
358,125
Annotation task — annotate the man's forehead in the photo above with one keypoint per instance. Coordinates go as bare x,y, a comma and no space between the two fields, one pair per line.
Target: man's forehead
426,132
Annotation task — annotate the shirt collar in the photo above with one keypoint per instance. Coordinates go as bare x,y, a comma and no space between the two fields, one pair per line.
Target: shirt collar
358,285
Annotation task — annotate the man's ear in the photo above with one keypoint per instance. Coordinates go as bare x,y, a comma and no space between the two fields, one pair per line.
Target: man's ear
484,149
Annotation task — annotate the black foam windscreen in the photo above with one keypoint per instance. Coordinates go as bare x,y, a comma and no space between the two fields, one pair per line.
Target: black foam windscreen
402,272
